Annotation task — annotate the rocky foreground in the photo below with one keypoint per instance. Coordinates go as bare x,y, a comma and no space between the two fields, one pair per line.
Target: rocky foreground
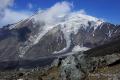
75,67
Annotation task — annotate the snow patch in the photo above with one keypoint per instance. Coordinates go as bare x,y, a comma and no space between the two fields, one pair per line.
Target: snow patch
19,79
79,48
109,33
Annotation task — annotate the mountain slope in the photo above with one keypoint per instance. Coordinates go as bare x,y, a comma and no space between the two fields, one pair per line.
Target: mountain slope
35,39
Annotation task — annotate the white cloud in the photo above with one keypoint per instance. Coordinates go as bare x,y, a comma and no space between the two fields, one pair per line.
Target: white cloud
12,16
82,11
57,12
30,6
6,3
3,5
51,15
8,16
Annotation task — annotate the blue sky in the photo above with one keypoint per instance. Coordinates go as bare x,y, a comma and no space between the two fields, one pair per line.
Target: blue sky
105,9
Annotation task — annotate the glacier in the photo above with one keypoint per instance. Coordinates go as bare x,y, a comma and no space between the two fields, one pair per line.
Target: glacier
69,24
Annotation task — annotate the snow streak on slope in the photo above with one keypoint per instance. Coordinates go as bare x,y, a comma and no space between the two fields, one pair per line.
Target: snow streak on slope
79,48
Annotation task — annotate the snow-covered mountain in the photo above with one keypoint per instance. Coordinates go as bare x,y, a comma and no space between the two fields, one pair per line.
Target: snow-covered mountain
36,38
67,25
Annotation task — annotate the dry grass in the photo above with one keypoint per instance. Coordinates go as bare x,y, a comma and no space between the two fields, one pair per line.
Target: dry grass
105,73
53,73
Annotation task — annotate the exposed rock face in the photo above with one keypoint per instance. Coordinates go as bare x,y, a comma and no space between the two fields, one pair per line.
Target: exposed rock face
70,69
81,67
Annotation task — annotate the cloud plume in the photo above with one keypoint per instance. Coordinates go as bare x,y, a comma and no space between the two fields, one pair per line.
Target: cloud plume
9,16
51,15
55,13
12,16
